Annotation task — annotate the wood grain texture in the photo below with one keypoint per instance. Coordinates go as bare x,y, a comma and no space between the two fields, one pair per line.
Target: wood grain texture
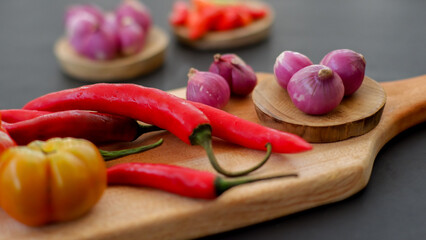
356,114
240,37
149,59
329,173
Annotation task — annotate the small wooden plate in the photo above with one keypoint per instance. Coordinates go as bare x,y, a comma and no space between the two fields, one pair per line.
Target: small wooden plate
356,114
148,60
251,34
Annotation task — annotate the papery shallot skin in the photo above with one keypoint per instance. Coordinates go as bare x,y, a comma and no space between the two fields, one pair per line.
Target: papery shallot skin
287,64
207,88
350,66
316,89
240,76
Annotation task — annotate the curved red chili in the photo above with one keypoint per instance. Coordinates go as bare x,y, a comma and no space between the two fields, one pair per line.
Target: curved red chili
178,180
96,127
148,105
18,115
249,134
5,140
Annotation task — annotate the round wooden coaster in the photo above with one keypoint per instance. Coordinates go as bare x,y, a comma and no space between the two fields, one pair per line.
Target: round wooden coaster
356,114
240,37
149,59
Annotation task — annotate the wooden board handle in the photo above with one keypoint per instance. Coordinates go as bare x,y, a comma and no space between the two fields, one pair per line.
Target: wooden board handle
406,105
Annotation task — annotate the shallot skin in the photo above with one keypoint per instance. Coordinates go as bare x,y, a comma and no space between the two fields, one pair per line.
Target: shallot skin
316,89
350,66
207,88
287,64
240,76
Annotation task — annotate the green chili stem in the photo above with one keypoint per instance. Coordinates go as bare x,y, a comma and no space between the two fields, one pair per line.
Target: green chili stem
143,128
202,137
223,184
110,155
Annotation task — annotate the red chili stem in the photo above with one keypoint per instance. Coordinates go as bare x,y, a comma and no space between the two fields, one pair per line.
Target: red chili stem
203,138
111,155
96,127
249,134
175,179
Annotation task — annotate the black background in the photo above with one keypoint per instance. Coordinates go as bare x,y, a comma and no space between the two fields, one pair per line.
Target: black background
391,34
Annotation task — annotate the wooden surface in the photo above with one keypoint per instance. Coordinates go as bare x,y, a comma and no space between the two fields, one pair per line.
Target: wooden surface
329,173
149,59
240,37
356,114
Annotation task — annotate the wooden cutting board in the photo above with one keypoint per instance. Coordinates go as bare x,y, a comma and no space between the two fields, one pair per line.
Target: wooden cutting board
329,173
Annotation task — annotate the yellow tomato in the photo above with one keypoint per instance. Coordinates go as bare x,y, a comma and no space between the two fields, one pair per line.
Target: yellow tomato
56,180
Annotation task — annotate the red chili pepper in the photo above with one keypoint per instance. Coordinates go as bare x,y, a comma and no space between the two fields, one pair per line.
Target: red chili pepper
17,115
96,127
5,140
179,180
258,12
244,14
197,25
249,134
229,19
148,105
179,13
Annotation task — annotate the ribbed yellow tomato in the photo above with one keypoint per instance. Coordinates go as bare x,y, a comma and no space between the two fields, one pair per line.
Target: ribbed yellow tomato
56,180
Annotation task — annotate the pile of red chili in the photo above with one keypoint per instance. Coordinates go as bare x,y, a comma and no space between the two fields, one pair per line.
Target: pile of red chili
110,112
202,16
190,122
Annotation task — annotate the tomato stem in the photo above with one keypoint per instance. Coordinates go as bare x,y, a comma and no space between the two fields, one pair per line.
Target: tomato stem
202,136
110,155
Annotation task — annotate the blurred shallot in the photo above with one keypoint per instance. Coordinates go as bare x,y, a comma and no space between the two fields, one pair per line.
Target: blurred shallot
135,10
90,35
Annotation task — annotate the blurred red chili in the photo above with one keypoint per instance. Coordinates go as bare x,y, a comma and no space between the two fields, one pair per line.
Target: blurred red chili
197,25
179,14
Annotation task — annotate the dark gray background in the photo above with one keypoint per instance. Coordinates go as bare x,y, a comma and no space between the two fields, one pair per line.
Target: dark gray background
390,33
